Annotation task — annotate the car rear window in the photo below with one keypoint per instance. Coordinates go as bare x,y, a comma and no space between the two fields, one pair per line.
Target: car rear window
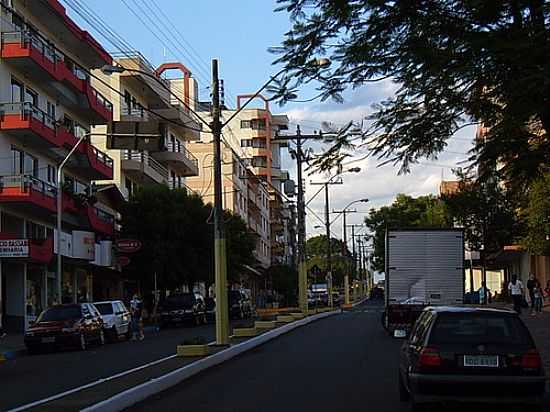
471,327
104,308
58,313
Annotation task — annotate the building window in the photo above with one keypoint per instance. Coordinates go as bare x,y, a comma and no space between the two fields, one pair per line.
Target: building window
245,124
173,179
246,142
51,174
16,91
51,110
172,147
129,187
259,161
35,231
31,97
23,163
81,187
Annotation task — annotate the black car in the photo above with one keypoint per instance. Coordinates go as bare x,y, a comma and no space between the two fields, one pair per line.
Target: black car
183,307
472,355
66,325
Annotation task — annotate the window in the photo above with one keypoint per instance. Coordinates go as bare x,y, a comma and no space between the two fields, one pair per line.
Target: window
246,143
172,147
173,179
245,124
126,104
51,110
31,97
129,186
23,163
259,161
81,187
35,231
16,91
52,174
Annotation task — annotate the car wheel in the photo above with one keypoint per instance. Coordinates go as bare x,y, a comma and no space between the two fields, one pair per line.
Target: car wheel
102,337
82,344
403,392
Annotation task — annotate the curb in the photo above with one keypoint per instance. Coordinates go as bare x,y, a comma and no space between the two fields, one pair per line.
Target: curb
138,393
358,303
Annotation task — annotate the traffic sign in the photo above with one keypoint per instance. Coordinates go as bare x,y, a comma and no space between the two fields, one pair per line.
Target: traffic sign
123,260
128,245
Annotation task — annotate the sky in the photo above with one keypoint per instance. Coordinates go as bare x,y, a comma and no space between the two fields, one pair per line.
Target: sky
238,33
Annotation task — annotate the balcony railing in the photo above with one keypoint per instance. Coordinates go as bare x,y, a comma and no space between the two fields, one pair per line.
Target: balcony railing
171,147
102,100
28,182
102,157
104,216
146,159
27,110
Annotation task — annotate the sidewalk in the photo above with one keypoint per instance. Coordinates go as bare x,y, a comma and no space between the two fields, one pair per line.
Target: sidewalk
11,347
540,329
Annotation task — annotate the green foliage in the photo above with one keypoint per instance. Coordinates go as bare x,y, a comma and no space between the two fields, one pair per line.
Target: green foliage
538,217
316,255
405,212
454,63
284,279
178,240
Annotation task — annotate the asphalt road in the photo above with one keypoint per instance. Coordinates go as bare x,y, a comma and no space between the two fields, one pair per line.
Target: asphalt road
343,363
31,378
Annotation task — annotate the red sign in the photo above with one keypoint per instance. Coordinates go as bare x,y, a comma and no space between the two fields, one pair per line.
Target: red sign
123,260
128,245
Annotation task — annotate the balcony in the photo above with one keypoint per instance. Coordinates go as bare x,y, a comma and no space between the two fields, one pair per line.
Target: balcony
41,62
178,158
29,194
30,125
179,115
143,168
156,93
25,249
101,221
91,163
135,114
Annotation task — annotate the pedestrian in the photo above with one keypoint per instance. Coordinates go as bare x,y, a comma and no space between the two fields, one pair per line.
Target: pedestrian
538,296
516,291
136,308
484,294
531,284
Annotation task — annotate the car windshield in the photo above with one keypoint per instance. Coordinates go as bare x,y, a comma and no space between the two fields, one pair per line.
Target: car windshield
477,328
58,313
104,308
182,300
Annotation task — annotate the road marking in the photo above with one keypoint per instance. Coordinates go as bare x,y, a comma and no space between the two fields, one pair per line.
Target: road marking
92,384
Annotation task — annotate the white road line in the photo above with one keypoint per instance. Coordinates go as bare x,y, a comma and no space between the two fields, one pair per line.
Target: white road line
92,384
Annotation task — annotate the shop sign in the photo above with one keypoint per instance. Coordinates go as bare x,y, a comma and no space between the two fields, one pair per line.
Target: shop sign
83,245
123,260
128,245
14,248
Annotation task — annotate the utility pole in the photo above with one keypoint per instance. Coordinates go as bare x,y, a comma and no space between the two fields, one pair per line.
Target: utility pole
302,272
220,263
344,212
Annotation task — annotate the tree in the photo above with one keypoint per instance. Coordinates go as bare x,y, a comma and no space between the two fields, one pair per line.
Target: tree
537,215
178,239
284,279
405,212
316,255
455,63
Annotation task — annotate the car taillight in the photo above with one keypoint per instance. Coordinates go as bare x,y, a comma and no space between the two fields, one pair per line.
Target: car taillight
429,357
531,360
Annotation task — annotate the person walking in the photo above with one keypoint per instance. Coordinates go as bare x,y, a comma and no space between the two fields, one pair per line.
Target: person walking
484,294
515,287
136,308
538,296
531,284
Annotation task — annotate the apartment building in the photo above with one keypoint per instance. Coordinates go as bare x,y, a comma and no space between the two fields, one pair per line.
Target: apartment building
48,103
143,102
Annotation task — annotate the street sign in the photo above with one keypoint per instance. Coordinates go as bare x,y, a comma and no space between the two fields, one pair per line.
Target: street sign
123,260
128,245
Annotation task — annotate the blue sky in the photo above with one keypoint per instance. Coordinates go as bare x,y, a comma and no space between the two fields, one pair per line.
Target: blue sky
239,33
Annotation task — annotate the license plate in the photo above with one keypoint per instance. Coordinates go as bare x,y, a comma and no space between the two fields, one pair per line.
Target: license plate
48,340
481,361
399,333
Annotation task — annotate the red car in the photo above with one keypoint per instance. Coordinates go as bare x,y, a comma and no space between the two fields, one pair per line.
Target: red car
66,325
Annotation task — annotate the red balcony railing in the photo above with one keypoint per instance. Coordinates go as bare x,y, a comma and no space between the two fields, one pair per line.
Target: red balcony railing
101,221
28,190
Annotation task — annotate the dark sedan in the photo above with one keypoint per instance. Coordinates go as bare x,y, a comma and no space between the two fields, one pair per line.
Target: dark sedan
66,325
470,355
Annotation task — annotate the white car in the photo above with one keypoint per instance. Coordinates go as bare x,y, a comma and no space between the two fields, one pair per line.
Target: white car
116,319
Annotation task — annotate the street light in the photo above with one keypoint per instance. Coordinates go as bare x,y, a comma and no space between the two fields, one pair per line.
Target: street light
216,127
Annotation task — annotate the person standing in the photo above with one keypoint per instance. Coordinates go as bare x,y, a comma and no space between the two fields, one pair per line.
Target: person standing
531,284
136,308
484,294
538,296
515,287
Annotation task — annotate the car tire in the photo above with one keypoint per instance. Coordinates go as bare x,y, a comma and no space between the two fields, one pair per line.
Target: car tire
82,342
404,394
101,339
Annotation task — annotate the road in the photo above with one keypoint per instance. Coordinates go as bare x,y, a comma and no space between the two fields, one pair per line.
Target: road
343,363
31,378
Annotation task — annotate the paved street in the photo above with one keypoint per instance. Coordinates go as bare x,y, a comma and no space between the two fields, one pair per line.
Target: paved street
31,378
345,362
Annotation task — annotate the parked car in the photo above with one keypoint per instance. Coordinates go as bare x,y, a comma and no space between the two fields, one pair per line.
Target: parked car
240,306
116,319
66,325
473,355
183,307
210,309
